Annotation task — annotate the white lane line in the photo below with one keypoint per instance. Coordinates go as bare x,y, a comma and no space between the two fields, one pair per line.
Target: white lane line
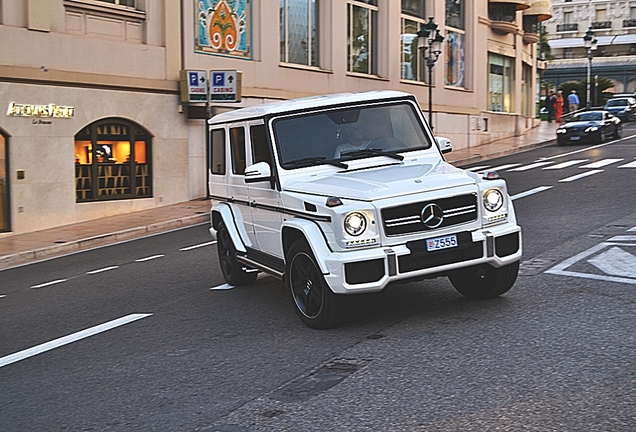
477,168
222,287
102,270
565,164
629,165
148,258
632,229
45,284
601,163
531,166
586,148
197,246
580,176
21,355
623,238
530,192
2,296
504,167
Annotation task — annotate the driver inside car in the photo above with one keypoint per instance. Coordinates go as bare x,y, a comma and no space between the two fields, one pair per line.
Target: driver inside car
355,133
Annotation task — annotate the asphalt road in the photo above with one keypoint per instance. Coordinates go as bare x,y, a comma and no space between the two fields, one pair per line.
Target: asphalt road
144,336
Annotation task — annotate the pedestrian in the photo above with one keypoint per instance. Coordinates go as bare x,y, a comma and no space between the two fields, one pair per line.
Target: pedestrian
558,106
573,101
550,102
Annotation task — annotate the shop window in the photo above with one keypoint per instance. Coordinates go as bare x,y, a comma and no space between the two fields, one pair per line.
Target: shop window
455,66
413,18
500,83
299,32
4,183
112,161
362,29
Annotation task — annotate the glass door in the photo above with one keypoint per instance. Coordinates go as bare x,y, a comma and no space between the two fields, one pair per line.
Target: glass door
4,184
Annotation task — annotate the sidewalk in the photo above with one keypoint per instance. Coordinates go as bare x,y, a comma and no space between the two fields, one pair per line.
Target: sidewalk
34,246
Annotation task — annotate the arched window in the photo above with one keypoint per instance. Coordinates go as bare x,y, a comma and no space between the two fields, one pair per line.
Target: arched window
112,161
4,183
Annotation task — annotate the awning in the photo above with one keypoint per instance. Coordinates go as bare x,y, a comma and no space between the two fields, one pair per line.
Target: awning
521,4
601,41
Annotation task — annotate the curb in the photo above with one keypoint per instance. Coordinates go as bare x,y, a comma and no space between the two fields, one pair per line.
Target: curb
26,257
514,150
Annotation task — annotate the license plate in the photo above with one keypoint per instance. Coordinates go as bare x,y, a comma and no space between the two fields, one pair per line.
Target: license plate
575,138
440,243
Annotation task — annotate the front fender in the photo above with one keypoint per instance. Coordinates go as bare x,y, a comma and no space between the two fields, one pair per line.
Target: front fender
223,213
296,227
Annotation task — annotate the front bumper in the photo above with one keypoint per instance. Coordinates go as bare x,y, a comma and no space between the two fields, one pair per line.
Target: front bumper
371,270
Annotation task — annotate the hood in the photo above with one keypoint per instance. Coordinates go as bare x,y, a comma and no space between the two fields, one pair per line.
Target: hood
384,182
581,124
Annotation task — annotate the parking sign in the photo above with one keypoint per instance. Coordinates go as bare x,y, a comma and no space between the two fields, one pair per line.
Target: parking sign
225,86
194,86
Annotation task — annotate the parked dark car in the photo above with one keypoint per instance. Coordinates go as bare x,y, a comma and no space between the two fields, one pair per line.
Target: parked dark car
624,108
590,126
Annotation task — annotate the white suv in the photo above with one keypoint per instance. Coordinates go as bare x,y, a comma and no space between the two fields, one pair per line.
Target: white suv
344,194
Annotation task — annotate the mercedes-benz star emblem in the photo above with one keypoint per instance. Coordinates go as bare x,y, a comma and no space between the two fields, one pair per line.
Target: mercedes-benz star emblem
432,215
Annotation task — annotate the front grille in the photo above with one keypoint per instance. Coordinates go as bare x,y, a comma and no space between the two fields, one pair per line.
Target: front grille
407,218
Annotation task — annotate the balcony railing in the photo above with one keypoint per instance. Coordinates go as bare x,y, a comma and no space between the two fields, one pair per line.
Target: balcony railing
629,23
567,27
601,25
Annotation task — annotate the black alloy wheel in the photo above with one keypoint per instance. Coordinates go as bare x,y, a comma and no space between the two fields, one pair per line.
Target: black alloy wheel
313,301
233,271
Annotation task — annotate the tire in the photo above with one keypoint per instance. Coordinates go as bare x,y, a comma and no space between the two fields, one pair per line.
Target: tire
600,137
233,271
618,132
312,299
561,142
484,281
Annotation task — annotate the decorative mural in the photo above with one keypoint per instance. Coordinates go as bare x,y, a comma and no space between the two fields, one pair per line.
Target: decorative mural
223,27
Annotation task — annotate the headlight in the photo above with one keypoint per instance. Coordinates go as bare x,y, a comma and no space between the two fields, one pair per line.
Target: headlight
493,200
591,129
559,131
355,223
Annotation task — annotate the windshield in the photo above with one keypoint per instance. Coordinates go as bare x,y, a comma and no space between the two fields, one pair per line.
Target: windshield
588,116
348,133
616,102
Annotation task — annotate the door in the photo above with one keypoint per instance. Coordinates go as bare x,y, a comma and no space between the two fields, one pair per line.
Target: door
265,199
4,183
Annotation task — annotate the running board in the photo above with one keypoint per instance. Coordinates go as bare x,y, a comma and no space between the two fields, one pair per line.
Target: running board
267,269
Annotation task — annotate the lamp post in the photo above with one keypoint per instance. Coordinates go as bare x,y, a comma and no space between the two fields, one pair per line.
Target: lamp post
590,43
429,42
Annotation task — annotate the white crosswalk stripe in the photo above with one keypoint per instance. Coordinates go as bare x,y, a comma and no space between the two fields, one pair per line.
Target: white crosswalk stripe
478,168
531,166
601,163
505,167
629,165
580,176
565,164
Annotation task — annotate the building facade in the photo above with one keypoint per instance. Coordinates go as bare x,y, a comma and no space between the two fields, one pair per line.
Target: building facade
613,24
94,124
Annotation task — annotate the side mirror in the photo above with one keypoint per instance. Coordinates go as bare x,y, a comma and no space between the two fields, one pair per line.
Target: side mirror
258,172
444,145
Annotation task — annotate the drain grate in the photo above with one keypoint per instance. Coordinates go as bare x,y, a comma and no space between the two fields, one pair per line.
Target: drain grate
535,266
318,381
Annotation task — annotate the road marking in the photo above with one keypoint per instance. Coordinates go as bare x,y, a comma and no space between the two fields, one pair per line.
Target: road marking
629,165
148,258
222,287
21,355
531,166
615,262
477,168
505,167
560,269
2,296
601,163
632,229
45,284
565,164
197,246
624,238
102,270
586,149
580,176
530,192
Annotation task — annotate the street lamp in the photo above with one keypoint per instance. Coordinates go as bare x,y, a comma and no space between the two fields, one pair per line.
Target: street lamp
590,43
429,42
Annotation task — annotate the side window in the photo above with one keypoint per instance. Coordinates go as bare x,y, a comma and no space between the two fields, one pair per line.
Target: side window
260,146
237,143
217,155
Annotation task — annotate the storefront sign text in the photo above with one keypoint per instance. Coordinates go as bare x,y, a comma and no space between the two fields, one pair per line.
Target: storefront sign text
50,110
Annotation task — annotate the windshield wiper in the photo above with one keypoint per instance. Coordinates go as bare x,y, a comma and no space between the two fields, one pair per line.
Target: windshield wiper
321,160
373,152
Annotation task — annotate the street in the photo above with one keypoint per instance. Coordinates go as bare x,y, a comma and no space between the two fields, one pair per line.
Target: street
145,335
